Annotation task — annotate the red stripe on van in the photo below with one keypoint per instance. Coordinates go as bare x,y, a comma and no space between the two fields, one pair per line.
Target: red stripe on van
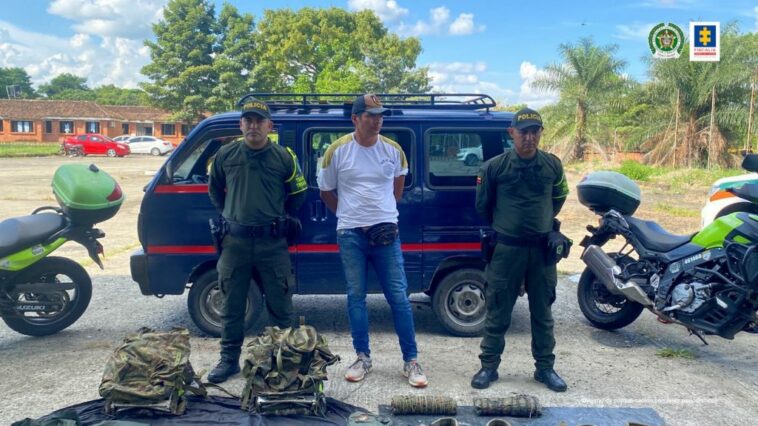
195,188
316,248
180,249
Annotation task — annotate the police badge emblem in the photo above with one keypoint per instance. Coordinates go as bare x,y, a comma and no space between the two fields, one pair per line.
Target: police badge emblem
666,41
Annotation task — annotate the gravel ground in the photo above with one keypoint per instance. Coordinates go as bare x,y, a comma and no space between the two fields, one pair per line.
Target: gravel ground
603,369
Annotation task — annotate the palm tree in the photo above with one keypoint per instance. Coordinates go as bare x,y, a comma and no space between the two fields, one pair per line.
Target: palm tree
705,104
588,80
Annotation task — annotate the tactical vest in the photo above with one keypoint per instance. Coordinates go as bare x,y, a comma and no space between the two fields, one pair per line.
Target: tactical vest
285,370
151,370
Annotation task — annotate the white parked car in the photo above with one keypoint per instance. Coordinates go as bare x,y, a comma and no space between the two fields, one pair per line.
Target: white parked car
721,202
149,145
122,138
470,156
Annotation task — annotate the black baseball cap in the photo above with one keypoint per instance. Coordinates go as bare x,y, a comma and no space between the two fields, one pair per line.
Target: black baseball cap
526,117
369,103
254,106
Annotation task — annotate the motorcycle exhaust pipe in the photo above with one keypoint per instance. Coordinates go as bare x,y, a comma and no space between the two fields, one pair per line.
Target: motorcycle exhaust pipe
606,270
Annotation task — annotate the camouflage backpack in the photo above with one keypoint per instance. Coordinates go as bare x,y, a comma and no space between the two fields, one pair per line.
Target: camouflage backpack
151,370
285,370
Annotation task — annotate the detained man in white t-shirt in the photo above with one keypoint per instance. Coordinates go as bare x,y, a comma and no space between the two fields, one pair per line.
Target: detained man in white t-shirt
361,180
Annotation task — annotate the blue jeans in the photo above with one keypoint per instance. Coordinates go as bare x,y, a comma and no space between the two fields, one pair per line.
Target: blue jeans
388,263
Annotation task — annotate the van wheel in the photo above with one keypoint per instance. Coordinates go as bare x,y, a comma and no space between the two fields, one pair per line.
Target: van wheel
471,160
205,302
459,302
111,152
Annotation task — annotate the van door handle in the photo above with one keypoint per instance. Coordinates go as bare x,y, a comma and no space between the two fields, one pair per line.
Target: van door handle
323,212
318,211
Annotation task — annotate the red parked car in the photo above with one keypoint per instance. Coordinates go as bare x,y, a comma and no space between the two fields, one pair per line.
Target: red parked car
94,144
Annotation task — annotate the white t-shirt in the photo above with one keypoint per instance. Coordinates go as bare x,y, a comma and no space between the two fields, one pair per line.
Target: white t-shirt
364,179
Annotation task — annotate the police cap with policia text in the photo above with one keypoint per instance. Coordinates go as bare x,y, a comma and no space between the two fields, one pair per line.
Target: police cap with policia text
526,117
253,106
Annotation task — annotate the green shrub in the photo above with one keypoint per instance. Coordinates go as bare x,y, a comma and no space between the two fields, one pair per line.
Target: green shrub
28,149
683,179
636,171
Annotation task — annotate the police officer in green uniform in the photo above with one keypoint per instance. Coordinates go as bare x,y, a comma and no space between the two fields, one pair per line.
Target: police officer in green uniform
519,193
258,187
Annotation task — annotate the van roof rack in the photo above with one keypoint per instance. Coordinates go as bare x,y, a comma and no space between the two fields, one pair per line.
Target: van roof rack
330,101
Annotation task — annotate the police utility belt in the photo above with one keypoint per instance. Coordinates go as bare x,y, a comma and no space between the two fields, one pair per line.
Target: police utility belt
555,245
274,229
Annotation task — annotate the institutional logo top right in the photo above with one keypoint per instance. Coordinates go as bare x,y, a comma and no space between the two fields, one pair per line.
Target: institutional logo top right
666,41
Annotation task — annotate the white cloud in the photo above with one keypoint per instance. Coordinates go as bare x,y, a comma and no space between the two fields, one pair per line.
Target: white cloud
110,18
386,10
464,25
101,60
107,47
634,31
669,4
437,23
439,15
527,94
464,77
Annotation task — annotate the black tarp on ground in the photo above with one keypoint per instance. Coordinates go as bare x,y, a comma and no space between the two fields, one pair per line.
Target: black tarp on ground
552,416
213,410
216,410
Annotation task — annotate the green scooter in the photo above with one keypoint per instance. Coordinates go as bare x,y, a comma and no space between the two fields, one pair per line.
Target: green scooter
42,294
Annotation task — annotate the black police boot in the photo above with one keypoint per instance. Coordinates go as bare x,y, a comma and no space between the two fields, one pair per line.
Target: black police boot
483,378
551,379
223,370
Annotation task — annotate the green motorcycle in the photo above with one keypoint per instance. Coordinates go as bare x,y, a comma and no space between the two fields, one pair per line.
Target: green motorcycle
41,294
707,281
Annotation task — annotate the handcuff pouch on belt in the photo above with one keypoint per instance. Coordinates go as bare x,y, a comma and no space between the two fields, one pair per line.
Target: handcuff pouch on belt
488,241
219,229
382,234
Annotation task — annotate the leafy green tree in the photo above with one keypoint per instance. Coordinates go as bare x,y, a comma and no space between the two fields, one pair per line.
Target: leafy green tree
317,50
588,80
234,60
181,73
502,106
65,86
14,76
112,95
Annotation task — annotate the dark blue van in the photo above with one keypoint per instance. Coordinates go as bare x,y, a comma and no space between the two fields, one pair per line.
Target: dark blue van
445,138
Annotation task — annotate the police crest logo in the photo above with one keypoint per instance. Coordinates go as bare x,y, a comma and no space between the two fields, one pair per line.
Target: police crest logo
666,41
705,41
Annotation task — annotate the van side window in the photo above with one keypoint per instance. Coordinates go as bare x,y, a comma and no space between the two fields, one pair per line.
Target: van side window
454,155
195,166
317,141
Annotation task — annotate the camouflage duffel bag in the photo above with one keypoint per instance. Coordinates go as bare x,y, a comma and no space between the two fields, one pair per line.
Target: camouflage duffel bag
151,370
285,370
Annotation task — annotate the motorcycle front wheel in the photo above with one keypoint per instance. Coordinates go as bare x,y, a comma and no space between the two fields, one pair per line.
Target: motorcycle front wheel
603,309
69,285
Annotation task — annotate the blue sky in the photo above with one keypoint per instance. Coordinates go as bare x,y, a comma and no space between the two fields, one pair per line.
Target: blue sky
469,46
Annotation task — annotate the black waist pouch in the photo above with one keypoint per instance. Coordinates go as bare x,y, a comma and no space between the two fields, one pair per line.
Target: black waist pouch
382,234
488,241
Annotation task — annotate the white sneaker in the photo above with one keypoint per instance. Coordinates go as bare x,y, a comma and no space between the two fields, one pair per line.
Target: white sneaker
416,377
358,370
